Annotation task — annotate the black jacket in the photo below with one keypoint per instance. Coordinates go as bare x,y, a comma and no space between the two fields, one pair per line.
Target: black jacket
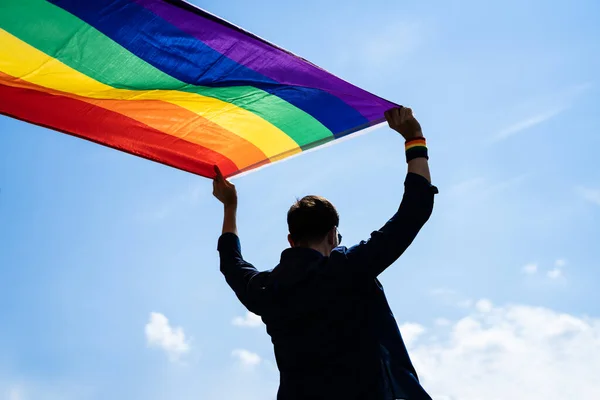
332,329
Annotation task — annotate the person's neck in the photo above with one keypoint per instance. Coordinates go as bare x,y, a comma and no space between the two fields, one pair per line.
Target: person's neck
322,248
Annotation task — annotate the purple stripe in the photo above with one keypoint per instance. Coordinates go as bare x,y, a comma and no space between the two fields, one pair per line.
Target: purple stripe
263,57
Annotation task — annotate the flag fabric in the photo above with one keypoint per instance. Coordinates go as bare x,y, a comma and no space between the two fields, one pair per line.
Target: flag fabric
167,81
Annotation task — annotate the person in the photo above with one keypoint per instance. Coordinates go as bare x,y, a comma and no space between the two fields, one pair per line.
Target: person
333,333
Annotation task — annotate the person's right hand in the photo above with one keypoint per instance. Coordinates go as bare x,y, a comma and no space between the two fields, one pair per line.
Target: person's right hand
402,120
224,190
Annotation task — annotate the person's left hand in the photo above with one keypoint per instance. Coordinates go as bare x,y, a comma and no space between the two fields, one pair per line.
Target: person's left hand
224,190
402,120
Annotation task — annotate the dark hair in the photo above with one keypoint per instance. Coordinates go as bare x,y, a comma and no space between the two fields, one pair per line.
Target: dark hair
310,218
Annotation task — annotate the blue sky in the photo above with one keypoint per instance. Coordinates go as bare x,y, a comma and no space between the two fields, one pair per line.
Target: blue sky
497,297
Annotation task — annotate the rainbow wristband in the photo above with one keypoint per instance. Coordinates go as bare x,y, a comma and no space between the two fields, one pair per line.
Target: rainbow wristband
416,148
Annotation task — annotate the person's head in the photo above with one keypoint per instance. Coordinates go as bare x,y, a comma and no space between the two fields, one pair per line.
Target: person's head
313,222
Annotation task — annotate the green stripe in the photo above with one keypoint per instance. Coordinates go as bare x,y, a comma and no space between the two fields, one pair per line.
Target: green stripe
65,37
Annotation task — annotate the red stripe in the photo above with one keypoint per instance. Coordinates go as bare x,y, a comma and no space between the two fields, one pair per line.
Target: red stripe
87,121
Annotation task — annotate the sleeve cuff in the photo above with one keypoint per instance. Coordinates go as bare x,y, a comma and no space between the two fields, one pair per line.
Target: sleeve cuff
229,241
418,182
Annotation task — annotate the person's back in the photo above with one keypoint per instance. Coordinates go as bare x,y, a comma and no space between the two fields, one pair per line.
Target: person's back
319,326
333,333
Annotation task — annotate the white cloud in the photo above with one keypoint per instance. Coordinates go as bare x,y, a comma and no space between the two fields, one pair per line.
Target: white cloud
511,352
411,332
554,273
160,334
530,269
251,320
591,195
246,358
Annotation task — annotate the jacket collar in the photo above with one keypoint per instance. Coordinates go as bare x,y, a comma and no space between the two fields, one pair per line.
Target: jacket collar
296,255
296,264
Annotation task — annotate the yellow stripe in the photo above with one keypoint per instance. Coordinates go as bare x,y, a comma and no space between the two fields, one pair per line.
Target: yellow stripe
21,60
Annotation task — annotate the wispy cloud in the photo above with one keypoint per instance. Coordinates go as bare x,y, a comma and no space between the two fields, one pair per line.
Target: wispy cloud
467,186
475,189
508,183
250,320
169,206
246,358
451,297
560,263
442,292
382,43
548,107
591,195
527,123
159,333
530,269
33,387
557,271
554,273
379,50
15,394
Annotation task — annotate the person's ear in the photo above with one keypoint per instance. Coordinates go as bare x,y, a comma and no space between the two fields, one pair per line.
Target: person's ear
331,236
291,242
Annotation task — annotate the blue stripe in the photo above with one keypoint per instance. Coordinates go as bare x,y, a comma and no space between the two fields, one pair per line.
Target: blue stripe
190,60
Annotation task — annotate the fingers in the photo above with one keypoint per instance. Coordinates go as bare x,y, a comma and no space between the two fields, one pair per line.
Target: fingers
388,114
408,114
219,180
218,175
392,114
388,117
398,114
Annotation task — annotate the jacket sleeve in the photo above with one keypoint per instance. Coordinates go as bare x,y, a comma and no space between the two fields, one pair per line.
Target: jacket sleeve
387,244
237,272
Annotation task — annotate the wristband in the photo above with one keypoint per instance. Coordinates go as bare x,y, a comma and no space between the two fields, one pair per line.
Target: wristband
416,148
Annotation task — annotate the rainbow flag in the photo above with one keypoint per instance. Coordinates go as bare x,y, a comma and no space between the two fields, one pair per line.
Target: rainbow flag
164,80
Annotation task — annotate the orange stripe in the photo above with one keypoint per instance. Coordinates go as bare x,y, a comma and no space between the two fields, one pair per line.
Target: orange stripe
169,119
420,143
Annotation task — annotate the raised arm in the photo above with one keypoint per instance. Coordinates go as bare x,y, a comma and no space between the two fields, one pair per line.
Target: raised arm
404,122
225,192
387,244
236,270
